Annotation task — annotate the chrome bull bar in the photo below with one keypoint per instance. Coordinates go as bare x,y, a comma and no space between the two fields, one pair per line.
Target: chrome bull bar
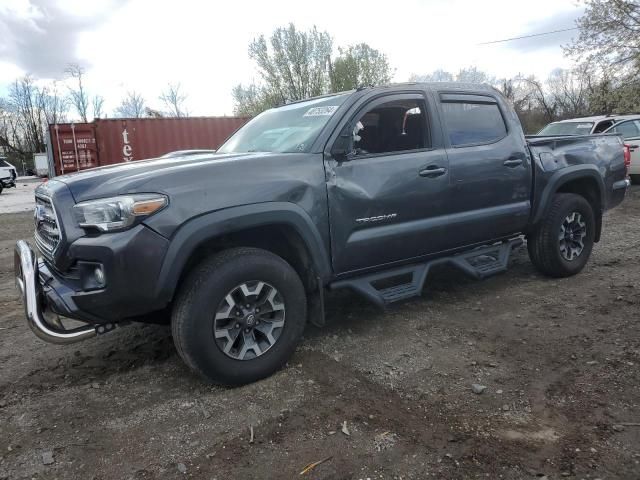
27,282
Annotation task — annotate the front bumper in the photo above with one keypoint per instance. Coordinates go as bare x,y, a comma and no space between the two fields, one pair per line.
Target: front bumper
28,283
8,182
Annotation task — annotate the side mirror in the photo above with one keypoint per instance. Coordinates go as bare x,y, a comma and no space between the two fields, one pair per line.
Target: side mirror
341,150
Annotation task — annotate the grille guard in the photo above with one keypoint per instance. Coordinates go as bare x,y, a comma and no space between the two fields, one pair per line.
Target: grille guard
27,282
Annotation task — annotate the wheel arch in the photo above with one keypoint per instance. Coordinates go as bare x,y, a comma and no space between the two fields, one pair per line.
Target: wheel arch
583,180
279,227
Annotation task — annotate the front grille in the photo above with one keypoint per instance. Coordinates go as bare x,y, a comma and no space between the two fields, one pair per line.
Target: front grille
47,233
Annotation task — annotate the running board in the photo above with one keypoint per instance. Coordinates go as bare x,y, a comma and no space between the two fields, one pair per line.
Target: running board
479,263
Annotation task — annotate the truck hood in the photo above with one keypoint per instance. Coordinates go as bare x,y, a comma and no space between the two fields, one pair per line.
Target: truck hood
157,175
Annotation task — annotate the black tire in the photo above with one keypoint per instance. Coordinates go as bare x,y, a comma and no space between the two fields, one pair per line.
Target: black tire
635,179
201,295
544,244
1,188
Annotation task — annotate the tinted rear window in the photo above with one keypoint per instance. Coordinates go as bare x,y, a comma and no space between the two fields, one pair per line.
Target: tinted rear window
4,164
627,129
567,128
473,123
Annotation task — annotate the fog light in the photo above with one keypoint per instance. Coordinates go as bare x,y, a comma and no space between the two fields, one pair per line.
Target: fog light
99,274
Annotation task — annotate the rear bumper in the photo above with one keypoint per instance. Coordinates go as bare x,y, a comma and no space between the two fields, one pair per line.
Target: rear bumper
622,184
35,302
618,192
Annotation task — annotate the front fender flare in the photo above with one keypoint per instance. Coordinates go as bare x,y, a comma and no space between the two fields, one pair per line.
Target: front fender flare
211,225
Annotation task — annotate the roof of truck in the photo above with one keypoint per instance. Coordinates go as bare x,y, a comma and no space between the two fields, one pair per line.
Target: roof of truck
596,118
429,85
446,85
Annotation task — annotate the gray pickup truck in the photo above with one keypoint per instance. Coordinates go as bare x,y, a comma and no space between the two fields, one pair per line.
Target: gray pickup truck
365,190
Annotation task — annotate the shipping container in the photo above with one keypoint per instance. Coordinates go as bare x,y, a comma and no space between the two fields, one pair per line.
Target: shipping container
78,146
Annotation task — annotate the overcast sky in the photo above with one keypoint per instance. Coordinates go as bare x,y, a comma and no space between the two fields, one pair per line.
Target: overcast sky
143,44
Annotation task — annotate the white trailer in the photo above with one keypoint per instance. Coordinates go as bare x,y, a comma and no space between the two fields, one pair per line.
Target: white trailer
41,163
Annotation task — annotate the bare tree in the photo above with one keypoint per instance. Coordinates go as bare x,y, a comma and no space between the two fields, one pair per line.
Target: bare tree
55,105
544,101
132,106
10,133
435,76
78,94
98,106
27,104
474,75
173,99
570,92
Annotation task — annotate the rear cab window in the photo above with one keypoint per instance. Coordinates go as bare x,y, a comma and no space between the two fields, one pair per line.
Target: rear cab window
472,119
567,128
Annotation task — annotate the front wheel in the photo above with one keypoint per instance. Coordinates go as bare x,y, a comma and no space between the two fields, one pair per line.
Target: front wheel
239,316
562,243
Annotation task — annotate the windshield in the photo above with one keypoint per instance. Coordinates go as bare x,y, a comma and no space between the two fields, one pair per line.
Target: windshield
567,128
292,128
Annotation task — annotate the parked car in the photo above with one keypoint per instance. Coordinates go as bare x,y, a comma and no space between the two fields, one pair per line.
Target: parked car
584,125
8,174
630,131
365,190
182,153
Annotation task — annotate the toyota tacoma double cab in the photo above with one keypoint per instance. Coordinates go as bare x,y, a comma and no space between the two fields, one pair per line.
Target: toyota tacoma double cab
365,190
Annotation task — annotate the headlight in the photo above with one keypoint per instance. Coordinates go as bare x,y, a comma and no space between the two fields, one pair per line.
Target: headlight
117,213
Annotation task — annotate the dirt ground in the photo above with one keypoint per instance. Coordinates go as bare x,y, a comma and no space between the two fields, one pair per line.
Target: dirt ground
560,360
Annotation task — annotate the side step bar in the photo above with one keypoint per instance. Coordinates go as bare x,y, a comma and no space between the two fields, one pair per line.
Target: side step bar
479,263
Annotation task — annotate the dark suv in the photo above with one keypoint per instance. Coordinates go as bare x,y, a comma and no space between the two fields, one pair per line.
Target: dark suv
364,190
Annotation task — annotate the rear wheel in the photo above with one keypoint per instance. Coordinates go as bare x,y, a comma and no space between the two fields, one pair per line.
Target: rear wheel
562,243
239,316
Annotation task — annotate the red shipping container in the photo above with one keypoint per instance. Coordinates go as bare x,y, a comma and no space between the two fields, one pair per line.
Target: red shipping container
78,146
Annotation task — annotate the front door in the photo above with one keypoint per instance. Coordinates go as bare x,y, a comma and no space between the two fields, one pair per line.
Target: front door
388,194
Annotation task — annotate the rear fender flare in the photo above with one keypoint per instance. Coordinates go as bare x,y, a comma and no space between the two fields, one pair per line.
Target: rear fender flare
214,224
564,176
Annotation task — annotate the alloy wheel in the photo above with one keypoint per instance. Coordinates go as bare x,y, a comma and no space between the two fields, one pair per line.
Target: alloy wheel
572,233
249,320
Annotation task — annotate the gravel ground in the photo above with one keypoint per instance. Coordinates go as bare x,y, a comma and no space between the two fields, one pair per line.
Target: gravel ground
374,394
19,199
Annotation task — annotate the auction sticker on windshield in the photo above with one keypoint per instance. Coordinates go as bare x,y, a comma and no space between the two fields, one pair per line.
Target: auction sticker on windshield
325,111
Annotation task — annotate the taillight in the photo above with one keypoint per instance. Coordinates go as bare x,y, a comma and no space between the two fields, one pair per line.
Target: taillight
627,158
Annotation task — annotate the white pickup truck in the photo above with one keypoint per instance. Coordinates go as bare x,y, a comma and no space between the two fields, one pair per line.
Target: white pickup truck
8,174
630,131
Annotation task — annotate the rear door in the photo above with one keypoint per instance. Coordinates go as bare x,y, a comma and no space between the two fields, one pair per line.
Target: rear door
489,165
630,131
388,195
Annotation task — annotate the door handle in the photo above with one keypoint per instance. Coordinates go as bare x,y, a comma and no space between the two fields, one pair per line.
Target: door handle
432,171
513,162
